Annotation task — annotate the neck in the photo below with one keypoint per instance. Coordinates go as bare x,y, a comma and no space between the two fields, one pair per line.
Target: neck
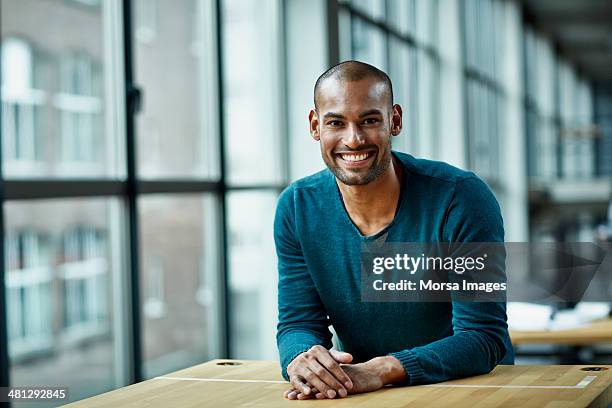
372,206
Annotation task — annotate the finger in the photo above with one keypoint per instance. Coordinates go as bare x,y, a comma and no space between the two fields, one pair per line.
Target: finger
313,389
318,395
323,373
292,395
303,397
299,384
341,356
315,379
331,364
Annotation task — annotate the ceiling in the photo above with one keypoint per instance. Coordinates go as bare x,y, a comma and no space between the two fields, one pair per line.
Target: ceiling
581,29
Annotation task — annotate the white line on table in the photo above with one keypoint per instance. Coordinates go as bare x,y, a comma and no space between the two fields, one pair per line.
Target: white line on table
581,384
220,380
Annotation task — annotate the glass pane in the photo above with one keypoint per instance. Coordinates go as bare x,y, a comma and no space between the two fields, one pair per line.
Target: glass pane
373,8
427,105
368,43
426,21
402,15
57,86
252,277
178,288
177,126
401,71
63,261
252,89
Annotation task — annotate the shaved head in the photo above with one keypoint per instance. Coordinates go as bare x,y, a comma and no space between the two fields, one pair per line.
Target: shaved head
349,71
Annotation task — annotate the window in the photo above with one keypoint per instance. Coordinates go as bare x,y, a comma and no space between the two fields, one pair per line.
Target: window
178,121
83,271
146,20
62,259
252,91
255,150
403,72
253,275
575,110
178,280
29,287
65,270
368,43
541,112
80,110
484,92
21,109
59,115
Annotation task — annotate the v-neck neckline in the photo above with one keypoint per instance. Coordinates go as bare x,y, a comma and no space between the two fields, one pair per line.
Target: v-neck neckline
398,210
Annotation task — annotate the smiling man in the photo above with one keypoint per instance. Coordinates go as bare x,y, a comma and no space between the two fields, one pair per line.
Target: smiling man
370,193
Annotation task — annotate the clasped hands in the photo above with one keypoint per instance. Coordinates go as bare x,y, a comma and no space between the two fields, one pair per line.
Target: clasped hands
321,373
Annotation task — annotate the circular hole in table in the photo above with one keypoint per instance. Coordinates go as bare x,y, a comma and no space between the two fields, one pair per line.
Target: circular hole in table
229,363
594,368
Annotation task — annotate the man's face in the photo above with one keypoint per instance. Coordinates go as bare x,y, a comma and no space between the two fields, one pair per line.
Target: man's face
354,123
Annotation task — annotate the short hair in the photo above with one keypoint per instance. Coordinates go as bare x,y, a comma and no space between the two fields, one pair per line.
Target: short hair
353,71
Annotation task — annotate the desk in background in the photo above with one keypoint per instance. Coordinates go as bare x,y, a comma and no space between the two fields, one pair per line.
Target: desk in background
227,383
593,333
569,344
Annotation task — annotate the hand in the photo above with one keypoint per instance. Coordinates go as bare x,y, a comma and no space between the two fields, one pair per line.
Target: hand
319,368
363,375
369,376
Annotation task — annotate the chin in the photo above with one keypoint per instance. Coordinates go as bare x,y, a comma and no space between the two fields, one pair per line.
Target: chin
355,180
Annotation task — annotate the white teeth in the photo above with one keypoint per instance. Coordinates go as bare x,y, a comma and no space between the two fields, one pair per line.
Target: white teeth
354,157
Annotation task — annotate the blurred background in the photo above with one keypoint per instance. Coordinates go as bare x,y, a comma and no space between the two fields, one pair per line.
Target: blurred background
145,142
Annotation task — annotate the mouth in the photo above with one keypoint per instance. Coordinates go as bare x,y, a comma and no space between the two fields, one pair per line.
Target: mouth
355,159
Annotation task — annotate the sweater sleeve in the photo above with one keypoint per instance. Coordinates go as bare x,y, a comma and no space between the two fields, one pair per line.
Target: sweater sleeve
302,318
480,332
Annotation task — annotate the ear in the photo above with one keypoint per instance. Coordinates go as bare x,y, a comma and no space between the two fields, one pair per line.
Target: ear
313,118
396,120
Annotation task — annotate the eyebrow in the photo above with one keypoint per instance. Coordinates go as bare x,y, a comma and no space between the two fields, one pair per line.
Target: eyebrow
330,115
333,115
370,112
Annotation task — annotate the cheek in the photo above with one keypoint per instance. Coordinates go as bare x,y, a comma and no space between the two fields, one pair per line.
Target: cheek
328,143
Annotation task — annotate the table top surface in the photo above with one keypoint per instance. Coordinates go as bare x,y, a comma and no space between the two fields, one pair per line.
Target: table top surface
596,332
236,383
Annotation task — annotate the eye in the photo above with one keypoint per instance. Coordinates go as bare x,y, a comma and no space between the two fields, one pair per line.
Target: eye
371,121
335,123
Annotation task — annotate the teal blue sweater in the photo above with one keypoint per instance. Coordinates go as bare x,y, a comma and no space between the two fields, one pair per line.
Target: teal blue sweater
318,248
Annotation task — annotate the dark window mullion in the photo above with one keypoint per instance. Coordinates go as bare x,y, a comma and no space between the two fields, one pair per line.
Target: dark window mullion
131,198
53,188
32,189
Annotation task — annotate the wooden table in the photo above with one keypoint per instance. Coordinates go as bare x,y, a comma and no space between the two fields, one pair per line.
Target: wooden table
231,383
593,333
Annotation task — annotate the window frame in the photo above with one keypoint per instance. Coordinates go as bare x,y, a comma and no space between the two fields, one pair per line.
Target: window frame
128,187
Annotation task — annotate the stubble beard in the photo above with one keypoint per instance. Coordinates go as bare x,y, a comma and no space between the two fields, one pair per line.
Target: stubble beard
351,178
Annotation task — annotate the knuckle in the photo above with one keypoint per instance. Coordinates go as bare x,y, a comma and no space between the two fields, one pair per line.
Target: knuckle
329,364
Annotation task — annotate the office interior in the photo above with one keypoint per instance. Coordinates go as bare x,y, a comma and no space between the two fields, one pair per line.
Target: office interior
145,143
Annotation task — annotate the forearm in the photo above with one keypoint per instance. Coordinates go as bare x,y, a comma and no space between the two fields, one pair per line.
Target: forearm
389,369
463,354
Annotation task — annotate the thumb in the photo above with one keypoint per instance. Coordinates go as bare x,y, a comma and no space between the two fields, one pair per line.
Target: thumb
341,356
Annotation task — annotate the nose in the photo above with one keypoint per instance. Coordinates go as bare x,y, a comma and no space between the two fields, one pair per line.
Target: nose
354,137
